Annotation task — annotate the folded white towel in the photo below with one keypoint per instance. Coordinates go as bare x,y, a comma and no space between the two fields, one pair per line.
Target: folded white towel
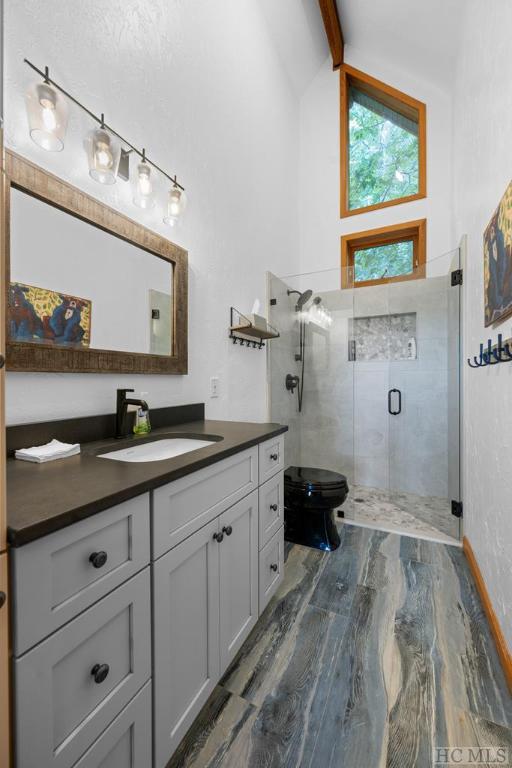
49,452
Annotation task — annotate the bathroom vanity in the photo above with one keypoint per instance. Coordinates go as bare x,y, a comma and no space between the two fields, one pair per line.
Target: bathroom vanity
135,584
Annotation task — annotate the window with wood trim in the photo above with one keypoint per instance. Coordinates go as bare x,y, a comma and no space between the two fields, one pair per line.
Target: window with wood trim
383,144
384,255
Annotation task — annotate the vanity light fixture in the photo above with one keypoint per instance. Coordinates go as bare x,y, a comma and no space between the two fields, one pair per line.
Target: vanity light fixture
144,197
176,202
103,152
47,113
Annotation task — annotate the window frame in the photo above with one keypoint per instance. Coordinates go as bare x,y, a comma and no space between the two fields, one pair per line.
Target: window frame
399,101
372,238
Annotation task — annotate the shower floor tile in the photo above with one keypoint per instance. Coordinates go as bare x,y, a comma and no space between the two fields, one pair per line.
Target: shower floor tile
427,517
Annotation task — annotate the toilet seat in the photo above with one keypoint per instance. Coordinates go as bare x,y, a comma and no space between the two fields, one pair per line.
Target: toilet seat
314,479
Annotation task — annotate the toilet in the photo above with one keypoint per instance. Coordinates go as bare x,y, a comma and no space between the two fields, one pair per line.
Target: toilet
310,497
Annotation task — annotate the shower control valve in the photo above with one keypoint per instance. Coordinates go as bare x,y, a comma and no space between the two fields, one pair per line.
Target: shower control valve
291,382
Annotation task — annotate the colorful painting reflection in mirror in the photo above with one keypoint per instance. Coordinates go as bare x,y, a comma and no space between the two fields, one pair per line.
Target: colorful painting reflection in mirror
40,315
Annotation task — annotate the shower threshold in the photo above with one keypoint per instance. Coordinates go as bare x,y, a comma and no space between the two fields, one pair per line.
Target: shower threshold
425,517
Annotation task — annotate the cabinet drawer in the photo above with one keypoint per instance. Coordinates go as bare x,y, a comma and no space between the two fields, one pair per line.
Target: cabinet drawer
55,578
271,568
271,508
72,685
127,741
271,458
184,506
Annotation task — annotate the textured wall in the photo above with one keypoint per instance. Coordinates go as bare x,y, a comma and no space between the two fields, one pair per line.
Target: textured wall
483,168
200,86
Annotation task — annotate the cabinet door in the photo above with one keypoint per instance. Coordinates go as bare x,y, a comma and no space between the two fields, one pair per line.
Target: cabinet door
186,636
238,575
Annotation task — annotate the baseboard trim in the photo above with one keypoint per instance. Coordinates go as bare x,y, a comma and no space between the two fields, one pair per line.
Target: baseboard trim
499,639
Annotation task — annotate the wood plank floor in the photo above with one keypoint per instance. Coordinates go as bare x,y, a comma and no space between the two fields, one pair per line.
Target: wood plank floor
368,657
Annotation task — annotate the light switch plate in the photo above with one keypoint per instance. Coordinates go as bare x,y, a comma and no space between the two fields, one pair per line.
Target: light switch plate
214,386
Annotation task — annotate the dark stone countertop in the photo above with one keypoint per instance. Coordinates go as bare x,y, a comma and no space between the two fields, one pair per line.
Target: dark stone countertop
42,498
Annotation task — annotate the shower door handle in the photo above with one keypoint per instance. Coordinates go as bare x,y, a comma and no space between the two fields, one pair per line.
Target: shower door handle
390,394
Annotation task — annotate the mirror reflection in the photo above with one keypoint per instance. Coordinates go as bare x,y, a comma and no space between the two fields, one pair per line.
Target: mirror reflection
74,285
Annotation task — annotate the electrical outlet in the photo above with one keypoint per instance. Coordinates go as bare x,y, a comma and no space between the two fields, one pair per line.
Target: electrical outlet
214,386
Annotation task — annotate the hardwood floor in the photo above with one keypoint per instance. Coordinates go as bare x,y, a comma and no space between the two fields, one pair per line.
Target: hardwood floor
368,657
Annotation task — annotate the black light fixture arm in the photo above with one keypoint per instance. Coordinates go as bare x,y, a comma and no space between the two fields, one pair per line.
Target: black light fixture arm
101,121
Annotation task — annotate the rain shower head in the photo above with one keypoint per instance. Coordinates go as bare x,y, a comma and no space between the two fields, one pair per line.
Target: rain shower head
303,298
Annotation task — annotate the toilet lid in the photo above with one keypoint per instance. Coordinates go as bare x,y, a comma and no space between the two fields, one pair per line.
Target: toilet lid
313,477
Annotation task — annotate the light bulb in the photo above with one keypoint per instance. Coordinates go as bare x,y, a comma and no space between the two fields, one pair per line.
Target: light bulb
47,113
175,206
103,156
143,196
104,153
49,118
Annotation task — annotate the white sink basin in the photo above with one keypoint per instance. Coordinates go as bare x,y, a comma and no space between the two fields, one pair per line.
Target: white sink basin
158,450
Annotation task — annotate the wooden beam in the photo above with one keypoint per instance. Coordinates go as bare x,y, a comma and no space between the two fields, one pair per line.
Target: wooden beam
333,31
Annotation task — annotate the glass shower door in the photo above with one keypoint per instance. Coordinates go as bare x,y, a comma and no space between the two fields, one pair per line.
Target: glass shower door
423,398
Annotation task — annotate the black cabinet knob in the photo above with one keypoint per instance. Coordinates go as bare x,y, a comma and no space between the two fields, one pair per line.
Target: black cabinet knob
98,559
274,456
100,672
3,598
274,567
218,537
273,507
228,530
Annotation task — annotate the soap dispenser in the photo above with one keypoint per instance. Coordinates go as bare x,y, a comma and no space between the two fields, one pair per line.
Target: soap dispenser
142,425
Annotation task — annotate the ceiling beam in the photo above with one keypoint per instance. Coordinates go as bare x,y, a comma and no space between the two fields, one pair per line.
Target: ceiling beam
333,31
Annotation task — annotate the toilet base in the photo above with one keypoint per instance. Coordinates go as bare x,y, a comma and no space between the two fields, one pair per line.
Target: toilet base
311,527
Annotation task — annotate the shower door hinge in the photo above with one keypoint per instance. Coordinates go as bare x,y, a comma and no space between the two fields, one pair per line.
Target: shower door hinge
457,508
457,277
273,302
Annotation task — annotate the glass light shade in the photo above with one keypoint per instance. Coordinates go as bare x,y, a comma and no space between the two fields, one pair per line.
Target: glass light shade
103,153
144,192
47,112
176,203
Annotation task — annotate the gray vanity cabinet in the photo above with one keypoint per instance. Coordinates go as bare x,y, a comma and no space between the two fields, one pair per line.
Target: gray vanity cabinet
238,553
116,652
185,636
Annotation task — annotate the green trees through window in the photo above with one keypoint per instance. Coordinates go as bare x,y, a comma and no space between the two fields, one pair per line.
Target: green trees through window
383,152
383,261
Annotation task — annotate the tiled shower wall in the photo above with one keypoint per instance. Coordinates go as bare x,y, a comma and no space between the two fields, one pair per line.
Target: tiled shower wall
345,425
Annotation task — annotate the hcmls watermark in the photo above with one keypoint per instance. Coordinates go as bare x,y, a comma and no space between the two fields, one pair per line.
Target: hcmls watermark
471,756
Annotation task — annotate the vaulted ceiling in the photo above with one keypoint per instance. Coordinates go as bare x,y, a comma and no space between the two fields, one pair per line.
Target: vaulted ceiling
420,36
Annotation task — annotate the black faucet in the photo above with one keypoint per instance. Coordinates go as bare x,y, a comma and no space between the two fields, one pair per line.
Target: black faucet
123,425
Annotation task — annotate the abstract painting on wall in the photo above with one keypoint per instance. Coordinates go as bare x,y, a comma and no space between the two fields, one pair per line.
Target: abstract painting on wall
39,315
498,261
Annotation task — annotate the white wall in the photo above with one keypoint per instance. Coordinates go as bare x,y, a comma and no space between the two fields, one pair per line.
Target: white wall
483,169
199,84
319,175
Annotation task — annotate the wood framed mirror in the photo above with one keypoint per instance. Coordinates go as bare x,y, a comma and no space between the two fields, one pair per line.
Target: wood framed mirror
88,289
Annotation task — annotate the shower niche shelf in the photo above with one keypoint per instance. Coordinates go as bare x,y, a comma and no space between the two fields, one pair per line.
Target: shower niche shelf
242,329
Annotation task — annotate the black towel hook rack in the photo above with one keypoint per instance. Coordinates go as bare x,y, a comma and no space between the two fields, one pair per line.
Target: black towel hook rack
492,354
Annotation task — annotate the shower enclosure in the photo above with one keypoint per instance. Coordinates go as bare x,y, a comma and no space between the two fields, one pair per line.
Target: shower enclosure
377,393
